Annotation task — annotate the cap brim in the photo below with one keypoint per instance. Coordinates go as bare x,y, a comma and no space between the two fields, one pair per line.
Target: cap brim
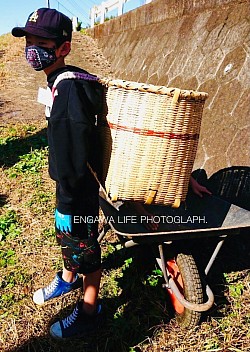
18,32
40,32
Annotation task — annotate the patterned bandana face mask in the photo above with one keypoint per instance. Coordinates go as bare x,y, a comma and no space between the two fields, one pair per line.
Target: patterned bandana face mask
40,58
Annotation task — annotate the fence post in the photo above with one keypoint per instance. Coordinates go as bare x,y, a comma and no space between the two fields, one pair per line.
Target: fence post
120,7
92,16
102,12
75,23
104,7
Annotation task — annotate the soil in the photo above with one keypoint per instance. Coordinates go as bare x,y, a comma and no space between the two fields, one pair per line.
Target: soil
19,85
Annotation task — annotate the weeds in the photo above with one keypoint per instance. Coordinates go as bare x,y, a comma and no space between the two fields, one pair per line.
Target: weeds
48,233
135,302
153,279
235,288
10,296
9,226
30,163
7,258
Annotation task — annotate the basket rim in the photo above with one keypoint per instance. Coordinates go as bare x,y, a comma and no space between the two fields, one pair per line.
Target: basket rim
151,88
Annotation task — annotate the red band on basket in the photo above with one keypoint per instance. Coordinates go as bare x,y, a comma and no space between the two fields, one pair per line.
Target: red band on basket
145,132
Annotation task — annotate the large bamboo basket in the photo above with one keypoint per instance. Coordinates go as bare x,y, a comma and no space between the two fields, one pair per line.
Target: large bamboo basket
150,136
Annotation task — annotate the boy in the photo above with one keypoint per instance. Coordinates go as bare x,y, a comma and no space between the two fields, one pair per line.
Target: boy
71,119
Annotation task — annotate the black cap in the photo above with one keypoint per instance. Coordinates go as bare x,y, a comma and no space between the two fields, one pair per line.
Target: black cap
46,23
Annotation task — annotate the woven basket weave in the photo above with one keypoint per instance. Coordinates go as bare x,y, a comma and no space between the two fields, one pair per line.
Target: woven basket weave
150,136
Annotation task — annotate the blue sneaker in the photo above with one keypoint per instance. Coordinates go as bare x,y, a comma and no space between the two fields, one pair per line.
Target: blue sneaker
56,288
77,324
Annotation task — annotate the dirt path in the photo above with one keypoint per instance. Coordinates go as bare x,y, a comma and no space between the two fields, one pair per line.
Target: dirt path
19,83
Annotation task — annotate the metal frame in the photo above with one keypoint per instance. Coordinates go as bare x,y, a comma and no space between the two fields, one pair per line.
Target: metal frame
169,282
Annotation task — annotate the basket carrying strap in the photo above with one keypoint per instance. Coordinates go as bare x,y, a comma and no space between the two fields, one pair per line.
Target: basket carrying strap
72,75
102,189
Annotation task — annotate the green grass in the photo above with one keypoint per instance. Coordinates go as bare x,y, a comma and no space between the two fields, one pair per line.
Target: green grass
9,228
29,163
10,275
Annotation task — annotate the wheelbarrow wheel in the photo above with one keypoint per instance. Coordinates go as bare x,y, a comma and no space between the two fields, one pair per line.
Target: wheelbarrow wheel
184,272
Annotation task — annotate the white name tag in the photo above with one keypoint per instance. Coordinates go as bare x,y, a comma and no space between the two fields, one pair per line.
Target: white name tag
45,97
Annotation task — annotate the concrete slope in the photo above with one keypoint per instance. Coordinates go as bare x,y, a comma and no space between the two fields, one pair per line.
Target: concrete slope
191,44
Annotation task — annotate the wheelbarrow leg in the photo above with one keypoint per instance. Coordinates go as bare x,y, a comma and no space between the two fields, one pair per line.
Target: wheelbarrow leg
163,266
215,253
103,231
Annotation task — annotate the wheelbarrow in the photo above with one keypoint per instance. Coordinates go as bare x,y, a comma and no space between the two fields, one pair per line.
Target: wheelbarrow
198,218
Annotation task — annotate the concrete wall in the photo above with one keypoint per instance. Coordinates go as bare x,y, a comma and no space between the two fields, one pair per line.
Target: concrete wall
191,44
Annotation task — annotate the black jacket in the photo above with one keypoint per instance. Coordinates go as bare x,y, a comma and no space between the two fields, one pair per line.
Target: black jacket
72,139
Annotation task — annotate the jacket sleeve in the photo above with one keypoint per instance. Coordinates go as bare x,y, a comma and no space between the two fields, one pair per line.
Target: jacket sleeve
72,123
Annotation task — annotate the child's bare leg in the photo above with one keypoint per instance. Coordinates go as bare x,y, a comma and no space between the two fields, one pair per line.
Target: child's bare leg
91,284
67,275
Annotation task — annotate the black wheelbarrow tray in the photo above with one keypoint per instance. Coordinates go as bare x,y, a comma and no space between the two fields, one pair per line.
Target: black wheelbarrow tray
209,216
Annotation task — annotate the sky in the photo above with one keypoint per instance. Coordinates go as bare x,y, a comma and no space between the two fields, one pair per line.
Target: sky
15,12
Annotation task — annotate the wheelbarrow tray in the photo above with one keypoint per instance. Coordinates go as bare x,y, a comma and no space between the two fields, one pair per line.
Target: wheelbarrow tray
198,217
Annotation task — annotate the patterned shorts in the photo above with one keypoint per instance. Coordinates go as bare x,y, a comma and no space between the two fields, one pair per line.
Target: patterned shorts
81,251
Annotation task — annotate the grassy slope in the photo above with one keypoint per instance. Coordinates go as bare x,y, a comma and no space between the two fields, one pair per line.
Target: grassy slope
138,317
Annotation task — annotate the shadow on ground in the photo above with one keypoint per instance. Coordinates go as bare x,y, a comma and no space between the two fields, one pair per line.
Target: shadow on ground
11,151
129,317
14,148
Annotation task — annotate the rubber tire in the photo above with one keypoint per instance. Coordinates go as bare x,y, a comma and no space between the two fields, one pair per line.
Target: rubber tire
192,290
